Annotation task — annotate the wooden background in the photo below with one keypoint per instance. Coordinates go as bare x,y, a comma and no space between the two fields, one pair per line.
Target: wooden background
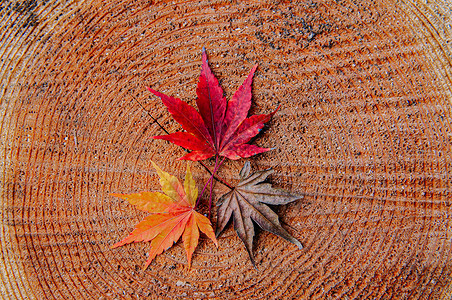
364,133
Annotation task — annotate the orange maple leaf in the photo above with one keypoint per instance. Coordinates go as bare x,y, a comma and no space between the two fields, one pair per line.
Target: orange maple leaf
173,215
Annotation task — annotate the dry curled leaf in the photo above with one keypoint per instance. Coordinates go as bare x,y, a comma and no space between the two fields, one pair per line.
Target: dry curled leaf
246,203
220,127
173,215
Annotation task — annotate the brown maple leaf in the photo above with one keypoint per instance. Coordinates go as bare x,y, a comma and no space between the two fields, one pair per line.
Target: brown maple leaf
246,203
221,127
173,215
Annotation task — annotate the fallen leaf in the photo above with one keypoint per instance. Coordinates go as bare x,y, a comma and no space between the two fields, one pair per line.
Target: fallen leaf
246,203
173,215
220,127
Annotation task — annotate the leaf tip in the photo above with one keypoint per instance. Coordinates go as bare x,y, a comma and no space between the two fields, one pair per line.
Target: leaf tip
152,91
116,245
299,197
214,240
157,168
145,266
158,94
254,265
251,256
204,56
189,256
298,244
121,196
218,231
187,158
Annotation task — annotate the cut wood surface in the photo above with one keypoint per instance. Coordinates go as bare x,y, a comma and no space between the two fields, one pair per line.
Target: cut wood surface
364,133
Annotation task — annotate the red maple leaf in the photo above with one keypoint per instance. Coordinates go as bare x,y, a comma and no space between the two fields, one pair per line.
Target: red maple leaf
221,127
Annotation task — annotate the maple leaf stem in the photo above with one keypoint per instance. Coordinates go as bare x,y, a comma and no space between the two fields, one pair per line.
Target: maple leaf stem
217,166
211,184
215,176
149,114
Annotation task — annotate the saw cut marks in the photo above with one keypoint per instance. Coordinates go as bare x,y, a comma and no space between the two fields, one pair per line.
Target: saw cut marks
363,133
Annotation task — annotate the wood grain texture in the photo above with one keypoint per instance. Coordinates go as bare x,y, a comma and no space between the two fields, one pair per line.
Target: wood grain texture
364,133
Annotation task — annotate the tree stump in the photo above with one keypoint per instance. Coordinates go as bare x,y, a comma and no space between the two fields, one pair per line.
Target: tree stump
364,133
